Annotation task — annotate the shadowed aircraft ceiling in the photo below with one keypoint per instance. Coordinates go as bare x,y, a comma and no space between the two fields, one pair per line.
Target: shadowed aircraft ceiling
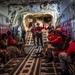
26,2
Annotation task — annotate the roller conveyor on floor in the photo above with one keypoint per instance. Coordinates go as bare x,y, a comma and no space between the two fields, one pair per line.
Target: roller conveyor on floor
31,65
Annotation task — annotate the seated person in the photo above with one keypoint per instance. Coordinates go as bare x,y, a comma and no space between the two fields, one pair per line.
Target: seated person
3,45
11,41
65,56
55,43
51,36
20,45
15,42
4,41
58,41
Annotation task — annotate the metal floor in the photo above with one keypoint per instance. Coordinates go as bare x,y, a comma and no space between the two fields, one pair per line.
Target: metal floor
31,66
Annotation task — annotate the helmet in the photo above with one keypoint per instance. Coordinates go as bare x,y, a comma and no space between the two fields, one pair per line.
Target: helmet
59,30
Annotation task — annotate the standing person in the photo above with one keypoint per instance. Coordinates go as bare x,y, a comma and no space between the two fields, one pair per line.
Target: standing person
49,28
39,34
23,35
33,30
20,33
12,30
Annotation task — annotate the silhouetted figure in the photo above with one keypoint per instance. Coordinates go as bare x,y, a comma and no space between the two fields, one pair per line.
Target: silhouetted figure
23,35
39,35
33,30
20,33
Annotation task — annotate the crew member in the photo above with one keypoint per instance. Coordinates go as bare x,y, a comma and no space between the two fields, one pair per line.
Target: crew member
39,34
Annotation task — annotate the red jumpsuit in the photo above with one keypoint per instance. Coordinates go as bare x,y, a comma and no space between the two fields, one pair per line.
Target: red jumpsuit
51,36
57,40
71,48
11,41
